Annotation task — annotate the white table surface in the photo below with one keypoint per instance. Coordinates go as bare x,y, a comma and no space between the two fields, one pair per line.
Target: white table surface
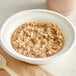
64,66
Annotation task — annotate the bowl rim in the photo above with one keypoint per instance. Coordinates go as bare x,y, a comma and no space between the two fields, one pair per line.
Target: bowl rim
30,58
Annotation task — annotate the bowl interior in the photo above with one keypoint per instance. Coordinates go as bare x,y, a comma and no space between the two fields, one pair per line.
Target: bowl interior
35,15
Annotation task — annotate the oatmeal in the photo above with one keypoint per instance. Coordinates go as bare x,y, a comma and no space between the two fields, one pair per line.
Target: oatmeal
37,39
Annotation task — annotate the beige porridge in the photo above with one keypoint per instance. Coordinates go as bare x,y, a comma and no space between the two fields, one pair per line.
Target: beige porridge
37,39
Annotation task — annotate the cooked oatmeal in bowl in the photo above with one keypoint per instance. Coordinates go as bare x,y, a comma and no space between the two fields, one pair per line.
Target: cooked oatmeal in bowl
37,39
37,36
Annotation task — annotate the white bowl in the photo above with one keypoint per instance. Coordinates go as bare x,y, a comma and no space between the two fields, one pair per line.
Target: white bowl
36,15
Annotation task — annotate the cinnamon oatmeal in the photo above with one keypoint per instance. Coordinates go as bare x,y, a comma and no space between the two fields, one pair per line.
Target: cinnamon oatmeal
37,39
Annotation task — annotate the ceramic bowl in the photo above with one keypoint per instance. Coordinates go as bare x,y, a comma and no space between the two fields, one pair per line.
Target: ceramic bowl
19,18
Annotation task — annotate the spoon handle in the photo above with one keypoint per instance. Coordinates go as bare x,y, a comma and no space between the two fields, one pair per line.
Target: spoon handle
11,72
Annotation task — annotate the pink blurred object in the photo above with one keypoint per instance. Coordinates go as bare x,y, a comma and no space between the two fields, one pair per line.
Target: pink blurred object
64,7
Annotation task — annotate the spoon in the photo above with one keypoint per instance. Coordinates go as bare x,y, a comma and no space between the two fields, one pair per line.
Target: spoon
4,66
